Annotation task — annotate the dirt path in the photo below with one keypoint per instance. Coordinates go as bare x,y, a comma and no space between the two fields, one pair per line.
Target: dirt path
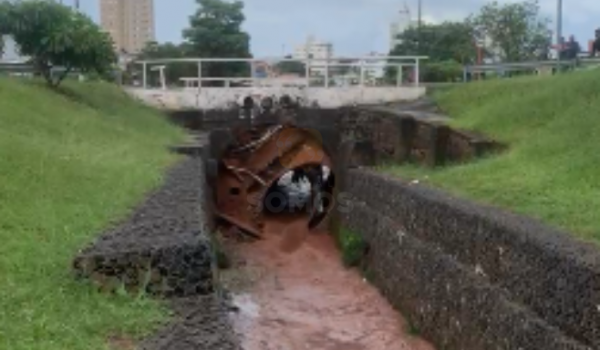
308,300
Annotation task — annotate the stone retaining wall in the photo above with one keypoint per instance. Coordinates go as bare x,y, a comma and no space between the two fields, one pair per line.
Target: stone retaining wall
475,277
163,247
381,134
384,135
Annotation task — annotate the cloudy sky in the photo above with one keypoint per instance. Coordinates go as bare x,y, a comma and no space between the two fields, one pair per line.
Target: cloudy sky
355,27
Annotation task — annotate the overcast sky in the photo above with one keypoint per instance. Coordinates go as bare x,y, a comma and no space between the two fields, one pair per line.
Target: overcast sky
355,27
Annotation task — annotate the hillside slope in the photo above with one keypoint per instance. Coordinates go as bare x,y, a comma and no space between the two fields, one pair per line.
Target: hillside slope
69,165
552,168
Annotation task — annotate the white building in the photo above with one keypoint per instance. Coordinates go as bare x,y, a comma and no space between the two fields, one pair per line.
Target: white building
9,53
314,49
374,68
397,27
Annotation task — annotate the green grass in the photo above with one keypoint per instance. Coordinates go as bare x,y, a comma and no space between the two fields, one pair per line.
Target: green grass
66,169
552,169
352,247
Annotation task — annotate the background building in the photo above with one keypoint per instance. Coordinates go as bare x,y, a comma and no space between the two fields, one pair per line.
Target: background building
375,67
129,22
9,51
314,49
398,26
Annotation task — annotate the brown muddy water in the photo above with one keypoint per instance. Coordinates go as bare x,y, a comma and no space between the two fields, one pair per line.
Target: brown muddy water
294,295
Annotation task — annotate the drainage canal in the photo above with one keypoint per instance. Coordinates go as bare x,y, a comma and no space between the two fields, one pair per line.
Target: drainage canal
291,291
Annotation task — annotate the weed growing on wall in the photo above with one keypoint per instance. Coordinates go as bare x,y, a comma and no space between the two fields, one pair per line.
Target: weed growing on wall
353,247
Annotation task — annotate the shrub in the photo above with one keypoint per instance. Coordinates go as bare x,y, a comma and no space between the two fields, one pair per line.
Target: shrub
54,35
353,248
446,71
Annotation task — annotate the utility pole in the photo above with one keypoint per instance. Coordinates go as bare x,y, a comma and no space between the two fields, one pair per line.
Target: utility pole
558,28
558,21
419,14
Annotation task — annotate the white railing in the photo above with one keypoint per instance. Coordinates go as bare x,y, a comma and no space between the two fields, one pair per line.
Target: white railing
530,65
362,64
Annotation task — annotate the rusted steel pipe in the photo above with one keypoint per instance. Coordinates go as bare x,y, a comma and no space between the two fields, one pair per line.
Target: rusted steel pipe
275,151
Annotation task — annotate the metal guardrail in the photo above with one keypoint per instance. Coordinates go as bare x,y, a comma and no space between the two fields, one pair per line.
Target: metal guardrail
362,63
284,59
530,65
9,66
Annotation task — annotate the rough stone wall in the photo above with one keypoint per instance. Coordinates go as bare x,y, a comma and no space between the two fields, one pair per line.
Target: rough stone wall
400,137
200,323
475,277
163,247
381,135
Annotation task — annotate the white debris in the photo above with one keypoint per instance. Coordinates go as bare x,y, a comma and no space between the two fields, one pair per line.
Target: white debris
326,172
286,179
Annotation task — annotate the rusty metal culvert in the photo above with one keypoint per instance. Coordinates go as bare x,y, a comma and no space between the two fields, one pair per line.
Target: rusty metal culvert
274,172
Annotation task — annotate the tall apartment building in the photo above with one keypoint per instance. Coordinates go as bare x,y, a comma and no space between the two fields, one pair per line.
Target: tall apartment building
129,22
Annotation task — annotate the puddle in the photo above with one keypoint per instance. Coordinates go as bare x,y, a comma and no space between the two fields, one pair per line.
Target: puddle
306,299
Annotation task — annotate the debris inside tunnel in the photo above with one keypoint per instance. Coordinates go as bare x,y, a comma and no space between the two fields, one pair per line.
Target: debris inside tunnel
274,172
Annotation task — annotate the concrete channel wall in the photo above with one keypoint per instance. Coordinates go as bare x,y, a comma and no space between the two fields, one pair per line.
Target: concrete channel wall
474,277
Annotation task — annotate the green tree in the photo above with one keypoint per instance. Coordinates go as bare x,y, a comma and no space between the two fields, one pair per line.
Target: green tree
448,46
173,71
440,42
345,68
291,67
54,36
216,31
516,30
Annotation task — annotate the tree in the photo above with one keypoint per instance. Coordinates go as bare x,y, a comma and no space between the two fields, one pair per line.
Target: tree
516,30
439,42
447,45
291,67
54,36
216,31
345,68
173,71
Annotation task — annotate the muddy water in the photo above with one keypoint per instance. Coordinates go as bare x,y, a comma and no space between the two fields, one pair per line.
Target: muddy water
300,296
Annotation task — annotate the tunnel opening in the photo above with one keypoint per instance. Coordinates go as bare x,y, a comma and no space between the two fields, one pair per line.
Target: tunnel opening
304,193
274,177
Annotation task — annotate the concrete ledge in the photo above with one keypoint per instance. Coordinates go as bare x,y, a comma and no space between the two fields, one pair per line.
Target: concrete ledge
218,98
542,269
163,247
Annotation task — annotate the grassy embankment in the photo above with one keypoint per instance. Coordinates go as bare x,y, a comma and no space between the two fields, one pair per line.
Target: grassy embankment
552,169
66,169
